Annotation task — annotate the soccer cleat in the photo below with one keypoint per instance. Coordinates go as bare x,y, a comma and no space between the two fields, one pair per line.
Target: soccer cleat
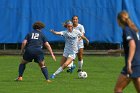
72,68
79,70
48,81
18,79
68,70
52,76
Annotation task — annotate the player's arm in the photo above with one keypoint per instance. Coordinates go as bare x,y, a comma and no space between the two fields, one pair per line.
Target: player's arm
80,38
83,37
132,48
82,30
23,45
56,33
47,45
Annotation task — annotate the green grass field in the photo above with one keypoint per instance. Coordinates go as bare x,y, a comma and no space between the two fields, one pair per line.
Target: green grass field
102,75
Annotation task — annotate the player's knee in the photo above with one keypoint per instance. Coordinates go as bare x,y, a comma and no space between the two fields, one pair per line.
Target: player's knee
42,66
23,62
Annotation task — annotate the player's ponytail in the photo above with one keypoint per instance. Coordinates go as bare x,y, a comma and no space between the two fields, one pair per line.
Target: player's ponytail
131,25
123,17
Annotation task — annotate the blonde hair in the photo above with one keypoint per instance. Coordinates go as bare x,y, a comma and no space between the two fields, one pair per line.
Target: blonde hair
123,17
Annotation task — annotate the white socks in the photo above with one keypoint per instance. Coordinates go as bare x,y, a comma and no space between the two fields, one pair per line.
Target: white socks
60,69
80,64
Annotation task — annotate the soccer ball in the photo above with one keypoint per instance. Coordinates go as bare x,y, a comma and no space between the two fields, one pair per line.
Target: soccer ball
82,74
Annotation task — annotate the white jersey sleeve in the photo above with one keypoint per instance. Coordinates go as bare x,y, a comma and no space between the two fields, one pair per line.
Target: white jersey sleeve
63,33
82,30
81,27
79,33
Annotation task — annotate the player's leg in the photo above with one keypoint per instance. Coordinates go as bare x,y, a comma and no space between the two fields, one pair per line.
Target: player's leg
80,59
44,70
136,82
71,65
40,60
136,77
67,62
121,83
71,57
27,57
63,59
60,69
21,69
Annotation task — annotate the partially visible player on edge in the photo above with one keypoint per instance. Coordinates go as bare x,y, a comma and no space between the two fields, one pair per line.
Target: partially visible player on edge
131,43
33,44
80,43
71,38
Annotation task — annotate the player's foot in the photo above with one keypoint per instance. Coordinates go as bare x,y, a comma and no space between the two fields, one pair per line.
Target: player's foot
52,76
48,81
72,68
18,79
79,70
68,70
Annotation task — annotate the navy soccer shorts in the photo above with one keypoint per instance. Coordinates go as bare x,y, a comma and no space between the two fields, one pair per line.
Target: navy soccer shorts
35,54
135,73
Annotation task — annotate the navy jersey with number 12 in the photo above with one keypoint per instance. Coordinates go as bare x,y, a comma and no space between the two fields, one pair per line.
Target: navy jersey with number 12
35,39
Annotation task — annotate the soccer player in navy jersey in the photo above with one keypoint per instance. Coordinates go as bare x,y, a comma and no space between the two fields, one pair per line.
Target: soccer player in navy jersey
131,43
32,49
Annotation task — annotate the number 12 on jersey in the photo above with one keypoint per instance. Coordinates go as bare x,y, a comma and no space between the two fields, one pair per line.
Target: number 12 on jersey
35,36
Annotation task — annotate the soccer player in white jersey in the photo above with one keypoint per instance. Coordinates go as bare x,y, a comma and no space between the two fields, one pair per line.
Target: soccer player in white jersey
80,28
71,38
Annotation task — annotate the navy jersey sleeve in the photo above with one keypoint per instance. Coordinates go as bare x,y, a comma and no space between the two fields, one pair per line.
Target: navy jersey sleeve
44,38
27,36
129,34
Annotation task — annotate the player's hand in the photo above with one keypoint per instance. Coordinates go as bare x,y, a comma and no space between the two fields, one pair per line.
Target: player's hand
129,69
53,57
51,30
87,42
79,38
22,52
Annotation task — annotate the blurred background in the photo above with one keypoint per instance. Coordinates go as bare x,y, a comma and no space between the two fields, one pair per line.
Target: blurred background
97,16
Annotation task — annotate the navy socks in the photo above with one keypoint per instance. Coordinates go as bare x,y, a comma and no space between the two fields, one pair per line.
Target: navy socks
21,69
45,72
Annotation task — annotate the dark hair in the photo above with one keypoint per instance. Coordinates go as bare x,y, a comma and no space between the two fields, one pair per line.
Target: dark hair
38,25
74,16
123,17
